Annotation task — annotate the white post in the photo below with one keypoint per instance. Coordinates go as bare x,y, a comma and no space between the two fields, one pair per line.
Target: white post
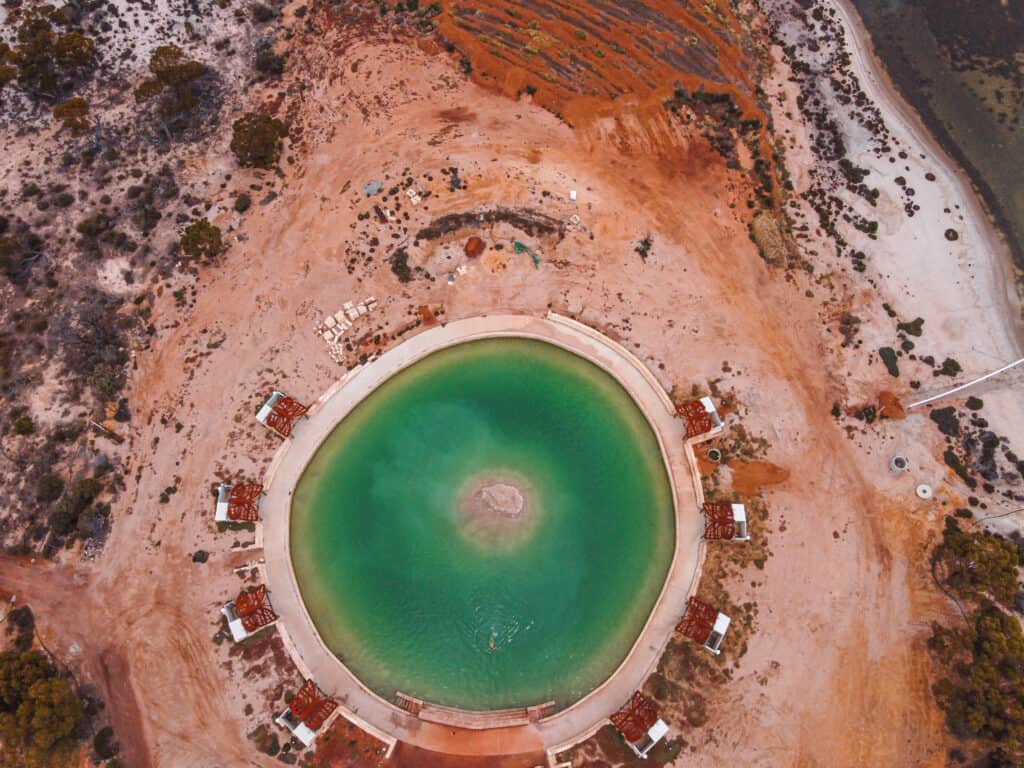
978,380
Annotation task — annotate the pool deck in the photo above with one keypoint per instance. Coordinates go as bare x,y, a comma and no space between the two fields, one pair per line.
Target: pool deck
562,729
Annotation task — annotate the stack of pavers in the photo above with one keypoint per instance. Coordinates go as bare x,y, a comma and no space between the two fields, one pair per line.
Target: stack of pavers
334,327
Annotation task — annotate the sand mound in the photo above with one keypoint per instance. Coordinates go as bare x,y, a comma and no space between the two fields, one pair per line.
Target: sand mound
496,511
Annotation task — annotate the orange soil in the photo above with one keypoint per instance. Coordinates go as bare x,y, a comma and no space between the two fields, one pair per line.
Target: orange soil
406,756
890,407
345,745
582,55
749,477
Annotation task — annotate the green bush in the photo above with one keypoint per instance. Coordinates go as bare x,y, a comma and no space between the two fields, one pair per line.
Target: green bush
201,240
243,202
949,367
256,140
977,564
105,743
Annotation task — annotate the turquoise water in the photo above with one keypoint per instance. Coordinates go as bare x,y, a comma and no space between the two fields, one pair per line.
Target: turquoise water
545,606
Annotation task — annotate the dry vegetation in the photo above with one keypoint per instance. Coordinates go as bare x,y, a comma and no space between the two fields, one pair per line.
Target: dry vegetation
96,225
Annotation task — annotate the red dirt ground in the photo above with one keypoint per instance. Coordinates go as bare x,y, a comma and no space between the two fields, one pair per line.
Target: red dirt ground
406,756
346,746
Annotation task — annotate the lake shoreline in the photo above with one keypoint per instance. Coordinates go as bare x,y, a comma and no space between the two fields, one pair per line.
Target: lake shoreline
876,79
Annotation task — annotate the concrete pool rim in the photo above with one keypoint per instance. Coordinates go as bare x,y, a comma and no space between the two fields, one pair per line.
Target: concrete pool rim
311,655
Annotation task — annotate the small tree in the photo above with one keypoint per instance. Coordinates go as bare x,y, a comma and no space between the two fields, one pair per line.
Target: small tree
40,731
984,695
75,114
400,265
174,79
256,140
18,672
8,65
39,713
42,57
201,240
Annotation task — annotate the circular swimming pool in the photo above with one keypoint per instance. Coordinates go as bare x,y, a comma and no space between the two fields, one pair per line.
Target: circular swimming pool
489,528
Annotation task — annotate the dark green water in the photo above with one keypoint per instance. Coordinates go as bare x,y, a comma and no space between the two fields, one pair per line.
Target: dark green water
960,64
410,602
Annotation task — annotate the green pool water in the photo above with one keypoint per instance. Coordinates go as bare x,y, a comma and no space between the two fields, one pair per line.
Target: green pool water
490,528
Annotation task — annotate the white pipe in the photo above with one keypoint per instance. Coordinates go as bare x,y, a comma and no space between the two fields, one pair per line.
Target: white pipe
980,379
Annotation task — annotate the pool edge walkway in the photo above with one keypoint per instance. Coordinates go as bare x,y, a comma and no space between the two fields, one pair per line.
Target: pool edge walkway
577,722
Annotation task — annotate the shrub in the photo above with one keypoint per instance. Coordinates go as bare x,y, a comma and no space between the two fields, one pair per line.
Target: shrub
977,565
50,487
201,240
94,226
269,63
8,68
96,349
20,248
243,202
200,556
913,328
643,248
888,357
64,517
256,140
41,58
400,265
984,696
263,13
21,623
174,78
23,425
106,379
91,522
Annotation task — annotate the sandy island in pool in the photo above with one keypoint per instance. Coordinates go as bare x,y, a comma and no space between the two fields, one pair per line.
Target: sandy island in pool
496,510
